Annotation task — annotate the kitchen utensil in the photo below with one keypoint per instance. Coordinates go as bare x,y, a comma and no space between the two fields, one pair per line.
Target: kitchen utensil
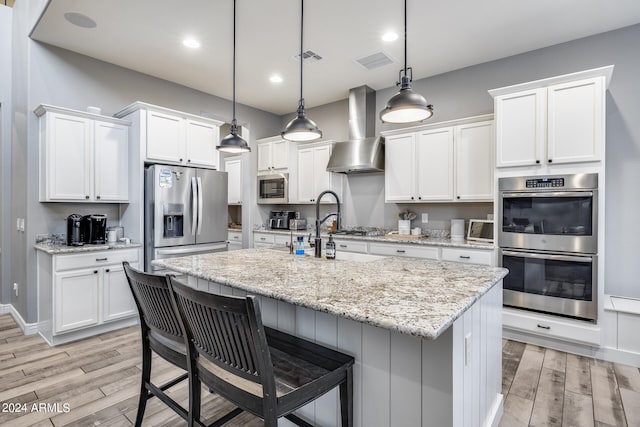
112,236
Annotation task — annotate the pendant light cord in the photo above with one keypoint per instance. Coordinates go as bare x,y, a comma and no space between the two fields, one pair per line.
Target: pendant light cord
405,37
233,121
301,32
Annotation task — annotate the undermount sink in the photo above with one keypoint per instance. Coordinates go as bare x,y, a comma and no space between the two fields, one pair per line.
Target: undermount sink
354,256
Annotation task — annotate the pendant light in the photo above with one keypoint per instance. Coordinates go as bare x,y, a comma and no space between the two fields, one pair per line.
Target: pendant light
233,143
406,106
301,128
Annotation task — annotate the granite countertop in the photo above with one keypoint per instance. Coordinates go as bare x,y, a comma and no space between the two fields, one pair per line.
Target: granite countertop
53,249
426,241
413,296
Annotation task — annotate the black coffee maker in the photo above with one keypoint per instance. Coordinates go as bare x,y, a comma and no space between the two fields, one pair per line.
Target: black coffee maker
75,235
94,229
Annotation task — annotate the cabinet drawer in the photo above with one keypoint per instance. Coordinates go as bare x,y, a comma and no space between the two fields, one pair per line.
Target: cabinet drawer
263,238
351,246
235,236
94,259
469,256
549,326
281,239
404,250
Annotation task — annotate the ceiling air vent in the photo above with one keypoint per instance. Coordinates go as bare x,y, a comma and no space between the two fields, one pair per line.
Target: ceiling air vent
308,56
375,60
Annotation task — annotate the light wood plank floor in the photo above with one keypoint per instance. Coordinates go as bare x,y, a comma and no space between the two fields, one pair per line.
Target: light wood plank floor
96,382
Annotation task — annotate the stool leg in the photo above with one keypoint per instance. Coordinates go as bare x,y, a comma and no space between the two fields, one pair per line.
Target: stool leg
346,400
146,378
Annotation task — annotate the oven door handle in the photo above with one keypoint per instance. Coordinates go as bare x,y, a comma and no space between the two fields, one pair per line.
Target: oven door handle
549,256
506,195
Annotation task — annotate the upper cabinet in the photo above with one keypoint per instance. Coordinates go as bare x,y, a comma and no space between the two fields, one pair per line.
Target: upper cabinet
273,155
552,121
312,175
233,167
174,137
441,163
83,156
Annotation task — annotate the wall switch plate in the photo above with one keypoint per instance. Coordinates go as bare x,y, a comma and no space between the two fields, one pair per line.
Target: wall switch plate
15,288
467,349
21,224
425,218
18,224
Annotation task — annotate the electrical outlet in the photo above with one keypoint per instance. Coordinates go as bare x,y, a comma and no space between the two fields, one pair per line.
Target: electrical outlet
425,218
18,224
22,224
15,288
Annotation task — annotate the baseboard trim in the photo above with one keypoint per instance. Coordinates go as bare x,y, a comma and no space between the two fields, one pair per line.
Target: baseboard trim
27,328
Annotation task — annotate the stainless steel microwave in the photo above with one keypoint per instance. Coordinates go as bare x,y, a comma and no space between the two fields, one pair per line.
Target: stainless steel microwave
273,189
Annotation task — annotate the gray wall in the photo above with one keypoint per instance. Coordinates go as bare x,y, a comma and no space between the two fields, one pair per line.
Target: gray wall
50,75
5,147
463,93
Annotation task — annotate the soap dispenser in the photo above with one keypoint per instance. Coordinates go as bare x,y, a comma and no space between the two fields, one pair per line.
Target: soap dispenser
330,248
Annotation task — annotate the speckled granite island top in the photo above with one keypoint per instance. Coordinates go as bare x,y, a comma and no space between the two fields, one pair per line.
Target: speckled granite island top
409,295
53,249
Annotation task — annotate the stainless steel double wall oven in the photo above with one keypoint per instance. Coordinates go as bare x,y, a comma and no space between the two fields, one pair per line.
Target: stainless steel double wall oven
548,238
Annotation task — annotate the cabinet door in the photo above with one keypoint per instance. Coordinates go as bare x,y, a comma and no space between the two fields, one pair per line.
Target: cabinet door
434,164
68,157
575,121
280,154
323,180
234,171
117,299
165,137
202,139
399,170
305,178
264,156
76,299
474,161
111,162
520,128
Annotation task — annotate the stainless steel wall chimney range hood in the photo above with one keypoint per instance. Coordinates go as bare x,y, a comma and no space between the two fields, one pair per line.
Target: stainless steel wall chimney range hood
363,152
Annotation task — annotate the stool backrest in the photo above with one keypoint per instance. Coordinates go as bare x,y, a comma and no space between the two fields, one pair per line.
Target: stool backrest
153,298
226,330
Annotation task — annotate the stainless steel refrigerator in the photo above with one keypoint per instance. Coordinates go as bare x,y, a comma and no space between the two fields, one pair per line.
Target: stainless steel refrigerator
185,212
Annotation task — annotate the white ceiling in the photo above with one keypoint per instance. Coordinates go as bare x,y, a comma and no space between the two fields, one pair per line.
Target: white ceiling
146,36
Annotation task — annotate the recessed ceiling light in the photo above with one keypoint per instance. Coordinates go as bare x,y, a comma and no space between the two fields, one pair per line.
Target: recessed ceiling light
275,79
80,20
390,36
191,43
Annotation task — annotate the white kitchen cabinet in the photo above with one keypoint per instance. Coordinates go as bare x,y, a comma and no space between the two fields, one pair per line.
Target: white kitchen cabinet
440,163
273,155
395,249
84,294
235,240
263,240
474,161
558,120
83,156
312,176
468,256
174,137
350,246
233,167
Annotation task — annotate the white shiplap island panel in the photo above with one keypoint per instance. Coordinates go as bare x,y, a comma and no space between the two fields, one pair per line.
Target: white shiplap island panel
426,335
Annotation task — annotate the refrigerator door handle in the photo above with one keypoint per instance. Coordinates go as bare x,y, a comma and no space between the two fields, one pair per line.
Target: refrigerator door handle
200,203
194,206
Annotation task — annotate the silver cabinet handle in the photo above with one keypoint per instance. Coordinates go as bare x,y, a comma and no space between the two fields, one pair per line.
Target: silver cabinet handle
101,259
343,246
465,257
544,327
263,238
400,251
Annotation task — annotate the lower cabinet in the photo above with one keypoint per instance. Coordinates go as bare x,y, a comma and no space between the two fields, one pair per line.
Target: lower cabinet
235,240
468,256
394,249
84,294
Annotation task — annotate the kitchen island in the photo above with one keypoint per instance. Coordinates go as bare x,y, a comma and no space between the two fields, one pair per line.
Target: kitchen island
426,334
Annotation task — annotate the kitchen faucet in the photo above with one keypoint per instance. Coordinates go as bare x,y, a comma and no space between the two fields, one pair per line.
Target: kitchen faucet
318,241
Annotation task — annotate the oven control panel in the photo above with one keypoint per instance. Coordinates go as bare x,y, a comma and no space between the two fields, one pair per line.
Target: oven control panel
545,183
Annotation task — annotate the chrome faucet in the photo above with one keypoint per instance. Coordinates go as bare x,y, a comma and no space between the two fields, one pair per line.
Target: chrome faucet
318,241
